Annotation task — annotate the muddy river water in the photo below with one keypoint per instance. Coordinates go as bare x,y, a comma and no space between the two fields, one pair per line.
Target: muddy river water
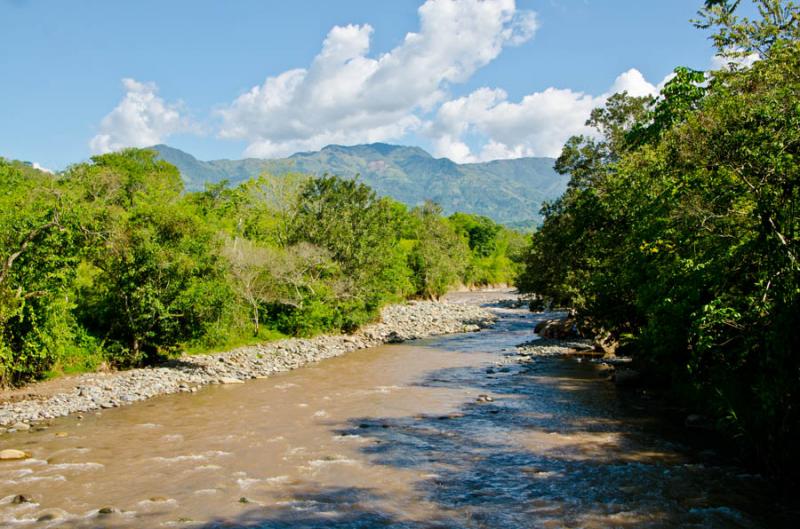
385,437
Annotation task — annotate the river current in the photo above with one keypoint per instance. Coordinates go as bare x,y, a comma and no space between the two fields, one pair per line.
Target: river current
394,436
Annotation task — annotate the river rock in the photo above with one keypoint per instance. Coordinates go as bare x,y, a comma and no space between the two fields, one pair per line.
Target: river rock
11,454
557,329
159,499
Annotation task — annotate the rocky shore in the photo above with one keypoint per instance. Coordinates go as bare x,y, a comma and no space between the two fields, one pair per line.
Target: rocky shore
188,373
552,346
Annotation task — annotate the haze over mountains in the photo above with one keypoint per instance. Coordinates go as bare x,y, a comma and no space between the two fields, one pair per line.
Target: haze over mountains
508,191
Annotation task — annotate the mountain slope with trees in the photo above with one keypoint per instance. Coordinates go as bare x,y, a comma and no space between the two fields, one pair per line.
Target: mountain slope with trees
507,191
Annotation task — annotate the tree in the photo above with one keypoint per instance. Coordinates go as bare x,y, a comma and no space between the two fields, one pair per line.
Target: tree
439,256
264,275
248,265
158,280
37,259
682,239
360,232
737,37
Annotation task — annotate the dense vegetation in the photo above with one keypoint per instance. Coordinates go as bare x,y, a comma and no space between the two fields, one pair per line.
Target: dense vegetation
507,191
112,262
679,233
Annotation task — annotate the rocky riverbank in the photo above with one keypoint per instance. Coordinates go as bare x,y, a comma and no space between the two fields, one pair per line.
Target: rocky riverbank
188,373
552,346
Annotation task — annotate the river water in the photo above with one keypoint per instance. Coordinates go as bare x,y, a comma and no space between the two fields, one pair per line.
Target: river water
385,437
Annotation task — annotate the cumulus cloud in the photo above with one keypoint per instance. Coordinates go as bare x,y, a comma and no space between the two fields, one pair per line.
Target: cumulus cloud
141,119
345,96
40,167
635,84
719,62
348,95
538,125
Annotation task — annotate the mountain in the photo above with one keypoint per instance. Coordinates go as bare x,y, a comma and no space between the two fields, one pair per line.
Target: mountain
508,191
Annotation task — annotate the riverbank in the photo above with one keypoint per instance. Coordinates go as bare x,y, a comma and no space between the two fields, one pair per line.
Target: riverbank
40,402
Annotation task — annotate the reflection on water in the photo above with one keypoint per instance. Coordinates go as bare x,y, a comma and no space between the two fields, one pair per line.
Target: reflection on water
392,436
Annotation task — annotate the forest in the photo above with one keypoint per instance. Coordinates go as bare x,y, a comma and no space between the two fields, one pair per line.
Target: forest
110,263
677,240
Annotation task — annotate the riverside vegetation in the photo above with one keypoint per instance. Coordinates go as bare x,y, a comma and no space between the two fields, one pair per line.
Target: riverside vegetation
112,263
679,233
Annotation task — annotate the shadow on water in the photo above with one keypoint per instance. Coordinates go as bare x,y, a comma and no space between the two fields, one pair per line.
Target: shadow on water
555,448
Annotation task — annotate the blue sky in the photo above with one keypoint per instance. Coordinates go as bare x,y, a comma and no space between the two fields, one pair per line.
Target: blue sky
478,80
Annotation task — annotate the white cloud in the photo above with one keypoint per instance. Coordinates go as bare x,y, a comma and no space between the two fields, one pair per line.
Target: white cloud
538,125
718,62
141,119
40,167
634,83
345,96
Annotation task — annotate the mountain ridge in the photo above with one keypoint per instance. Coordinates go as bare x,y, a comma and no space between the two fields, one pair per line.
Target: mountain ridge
508,191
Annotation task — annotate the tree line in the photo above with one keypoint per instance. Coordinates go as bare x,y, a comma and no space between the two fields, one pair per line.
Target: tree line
679,235
111,262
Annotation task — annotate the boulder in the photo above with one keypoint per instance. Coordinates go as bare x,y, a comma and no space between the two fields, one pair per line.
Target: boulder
20,499
556,329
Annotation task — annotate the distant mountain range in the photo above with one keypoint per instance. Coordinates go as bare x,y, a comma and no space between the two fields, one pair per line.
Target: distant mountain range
508,191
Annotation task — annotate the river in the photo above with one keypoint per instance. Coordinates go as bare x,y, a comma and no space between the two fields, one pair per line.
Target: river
392,436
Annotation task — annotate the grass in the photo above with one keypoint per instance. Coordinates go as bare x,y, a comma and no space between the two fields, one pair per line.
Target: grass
92,359
232,342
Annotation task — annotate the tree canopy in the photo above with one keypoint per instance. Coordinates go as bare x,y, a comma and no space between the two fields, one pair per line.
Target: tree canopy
679,234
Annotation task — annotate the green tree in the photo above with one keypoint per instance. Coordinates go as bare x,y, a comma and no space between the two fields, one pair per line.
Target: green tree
682,238
360,232
439,256
37,260
157,279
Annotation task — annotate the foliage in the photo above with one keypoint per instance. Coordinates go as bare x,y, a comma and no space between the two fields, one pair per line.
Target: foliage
37,256
439,255
738,37
494,250
681,240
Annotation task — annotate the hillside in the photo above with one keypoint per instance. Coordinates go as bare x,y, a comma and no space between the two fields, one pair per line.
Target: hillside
508,191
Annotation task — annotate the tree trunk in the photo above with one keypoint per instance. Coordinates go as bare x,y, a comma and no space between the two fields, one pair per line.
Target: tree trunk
255,319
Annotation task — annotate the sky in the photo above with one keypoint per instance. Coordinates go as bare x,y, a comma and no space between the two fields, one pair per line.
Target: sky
471,80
